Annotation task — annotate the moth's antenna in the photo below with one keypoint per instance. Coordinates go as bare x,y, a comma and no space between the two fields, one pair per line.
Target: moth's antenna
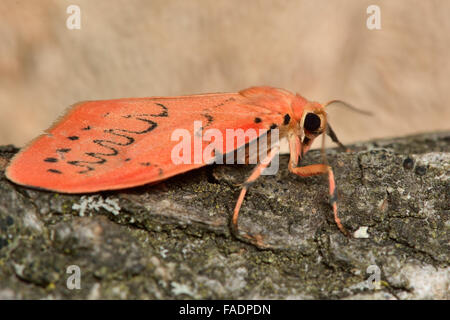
349,106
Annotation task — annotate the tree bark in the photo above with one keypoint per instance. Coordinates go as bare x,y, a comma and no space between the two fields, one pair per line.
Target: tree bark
172,240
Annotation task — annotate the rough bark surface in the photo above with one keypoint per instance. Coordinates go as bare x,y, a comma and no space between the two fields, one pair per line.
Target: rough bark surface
172,240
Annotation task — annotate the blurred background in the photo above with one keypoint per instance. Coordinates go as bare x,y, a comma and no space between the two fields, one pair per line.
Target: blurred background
320,49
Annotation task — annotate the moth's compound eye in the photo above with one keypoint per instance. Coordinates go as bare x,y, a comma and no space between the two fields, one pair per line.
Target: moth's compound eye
312,122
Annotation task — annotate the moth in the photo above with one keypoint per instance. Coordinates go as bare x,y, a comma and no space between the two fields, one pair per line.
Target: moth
122,143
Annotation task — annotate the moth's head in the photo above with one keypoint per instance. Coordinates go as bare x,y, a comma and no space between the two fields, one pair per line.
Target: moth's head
314,120
310,116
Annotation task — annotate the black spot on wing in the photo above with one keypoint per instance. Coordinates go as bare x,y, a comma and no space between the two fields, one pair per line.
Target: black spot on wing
111,145
257,120
287,119
51,160
198,133
223,103
54,171
209,119
97,155
163,113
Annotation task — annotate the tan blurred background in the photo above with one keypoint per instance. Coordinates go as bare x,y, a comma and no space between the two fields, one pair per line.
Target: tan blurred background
320,49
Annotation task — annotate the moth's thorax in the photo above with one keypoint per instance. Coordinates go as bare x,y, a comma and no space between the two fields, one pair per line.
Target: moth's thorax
298,105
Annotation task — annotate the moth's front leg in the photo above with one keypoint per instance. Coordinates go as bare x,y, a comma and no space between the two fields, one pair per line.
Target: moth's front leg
312,170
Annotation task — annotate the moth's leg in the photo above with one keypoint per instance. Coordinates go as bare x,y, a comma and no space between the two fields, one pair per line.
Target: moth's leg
316,169
304,146
312,170
335,139
251,179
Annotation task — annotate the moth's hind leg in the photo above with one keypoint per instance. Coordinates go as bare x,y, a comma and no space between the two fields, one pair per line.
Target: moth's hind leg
256,239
